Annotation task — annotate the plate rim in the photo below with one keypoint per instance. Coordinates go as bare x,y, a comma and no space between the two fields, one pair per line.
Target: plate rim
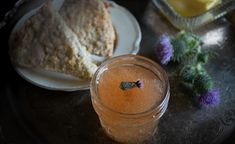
137,26
19,71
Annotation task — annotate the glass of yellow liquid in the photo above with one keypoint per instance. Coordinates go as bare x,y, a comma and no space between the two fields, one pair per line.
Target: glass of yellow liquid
192,14
130,94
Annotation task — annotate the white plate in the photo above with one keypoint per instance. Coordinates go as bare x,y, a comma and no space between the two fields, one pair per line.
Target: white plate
129,37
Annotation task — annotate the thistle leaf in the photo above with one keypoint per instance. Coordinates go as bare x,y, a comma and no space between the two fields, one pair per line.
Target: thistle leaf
188,73
203,58
202,83
179,50
186,46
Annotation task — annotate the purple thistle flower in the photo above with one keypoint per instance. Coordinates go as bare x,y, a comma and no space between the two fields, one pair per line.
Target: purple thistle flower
129,85
139,84
164,49
211,97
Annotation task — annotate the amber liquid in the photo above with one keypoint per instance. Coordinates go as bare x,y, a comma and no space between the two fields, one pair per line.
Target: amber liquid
128,102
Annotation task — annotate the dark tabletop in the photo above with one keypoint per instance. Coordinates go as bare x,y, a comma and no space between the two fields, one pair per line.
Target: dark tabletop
29,114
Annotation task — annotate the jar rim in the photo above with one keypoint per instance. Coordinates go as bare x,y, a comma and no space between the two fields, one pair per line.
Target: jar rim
157,109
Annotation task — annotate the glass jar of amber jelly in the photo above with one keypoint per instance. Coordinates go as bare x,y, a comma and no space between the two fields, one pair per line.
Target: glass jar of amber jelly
130,115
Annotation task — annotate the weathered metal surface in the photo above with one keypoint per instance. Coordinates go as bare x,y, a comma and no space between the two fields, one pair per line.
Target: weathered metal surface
68,117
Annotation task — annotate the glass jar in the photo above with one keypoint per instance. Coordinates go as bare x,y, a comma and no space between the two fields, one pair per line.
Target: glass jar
130,116
191,22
